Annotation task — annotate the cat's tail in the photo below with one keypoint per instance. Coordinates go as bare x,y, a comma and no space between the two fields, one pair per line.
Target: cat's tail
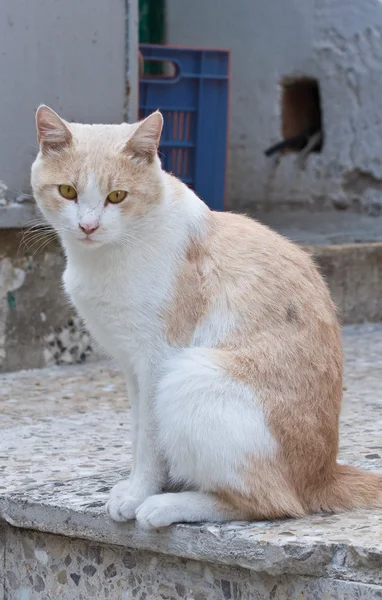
351,488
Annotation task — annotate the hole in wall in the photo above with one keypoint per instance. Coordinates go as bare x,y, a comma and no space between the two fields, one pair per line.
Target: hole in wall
301,113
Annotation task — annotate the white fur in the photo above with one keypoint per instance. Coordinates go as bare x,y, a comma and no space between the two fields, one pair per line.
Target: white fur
91,208
165,509
189,417
208,423
215,327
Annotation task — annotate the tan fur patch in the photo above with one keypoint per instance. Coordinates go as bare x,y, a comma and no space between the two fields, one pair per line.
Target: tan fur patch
269,493
191,299
145,190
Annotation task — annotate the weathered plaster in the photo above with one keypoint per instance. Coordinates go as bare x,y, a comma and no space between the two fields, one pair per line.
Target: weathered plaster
338,43
38,326
11,279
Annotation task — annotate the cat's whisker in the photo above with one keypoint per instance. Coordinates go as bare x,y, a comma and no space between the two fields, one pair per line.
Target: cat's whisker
31,233
29,248
34,231
43,227
29,241
43,244
35,241
33,228
40,218
17,192
34,222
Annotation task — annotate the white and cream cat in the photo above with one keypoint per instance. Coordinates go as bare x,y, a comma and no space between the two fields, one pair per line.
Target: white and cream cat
224,330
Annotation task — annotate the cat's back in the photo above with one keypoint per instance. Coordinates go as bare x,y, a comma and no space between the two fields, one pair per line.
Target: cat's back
245,245
256,266
242,280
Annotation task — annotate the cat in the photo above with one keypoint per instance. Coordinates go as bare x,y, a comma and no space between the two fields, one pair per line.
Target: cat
224,330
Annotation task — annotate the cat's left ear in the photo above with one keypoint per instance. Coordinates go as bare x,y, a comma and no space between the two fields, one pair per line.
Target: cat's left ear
52,132
144,142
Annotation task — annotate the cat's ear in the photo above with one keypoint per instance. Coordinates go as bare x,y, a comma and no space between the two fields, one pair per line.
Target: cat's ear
144,142
52,132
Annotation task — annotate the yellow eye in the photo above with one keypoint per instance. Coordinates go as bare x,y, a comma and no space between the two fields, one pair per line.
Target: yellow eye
67,191
117,196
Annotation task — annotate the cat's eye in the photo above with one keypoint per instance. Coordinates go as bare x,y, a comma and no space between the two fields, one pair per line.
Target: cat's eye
117,196
67,191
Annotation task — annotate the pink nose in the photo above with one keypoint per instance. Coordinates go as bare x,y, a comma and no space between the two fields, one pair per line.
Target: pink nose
88,229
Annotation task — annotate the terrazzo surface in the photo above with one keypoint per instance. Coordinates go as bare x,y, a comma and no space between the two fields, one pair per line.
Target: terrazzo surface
64,441
47,567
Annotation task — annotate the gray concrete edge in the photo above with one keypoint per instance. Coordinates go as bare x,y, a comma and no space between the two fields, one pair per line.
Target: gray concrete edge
224,544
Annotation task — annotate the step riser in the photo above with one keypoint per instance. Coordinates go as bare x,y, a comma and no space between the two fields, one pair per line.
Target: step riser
40,566
354,275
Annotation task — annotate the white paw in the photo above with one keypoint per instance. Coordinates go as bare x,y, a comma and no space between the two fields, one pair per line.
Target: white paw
158,511
123,502
122,509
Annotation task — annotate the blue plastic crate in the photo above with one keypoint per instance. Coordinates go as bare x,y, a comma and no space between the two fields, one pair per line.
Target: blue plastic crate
193,99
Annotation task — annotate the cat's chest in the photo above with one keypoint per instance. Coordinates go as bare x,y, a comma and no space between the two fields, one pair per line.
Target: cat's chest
121,310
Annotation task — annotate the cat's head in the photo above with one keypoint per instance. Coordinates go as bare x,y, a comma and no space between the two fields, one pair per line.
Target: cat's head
94,183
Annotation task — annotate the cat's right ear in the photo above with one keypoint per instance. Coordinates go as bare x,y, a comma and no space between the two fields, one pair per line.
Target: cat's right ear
144,142
52,132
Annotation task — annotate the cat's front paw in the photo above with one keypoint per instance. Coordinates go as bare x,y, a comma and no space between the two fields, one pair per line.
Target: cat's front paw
122,509
158,511
125,497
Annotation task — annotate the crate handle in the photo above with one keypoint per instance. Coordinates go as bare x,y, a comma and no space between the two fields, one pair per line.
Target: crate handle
172,77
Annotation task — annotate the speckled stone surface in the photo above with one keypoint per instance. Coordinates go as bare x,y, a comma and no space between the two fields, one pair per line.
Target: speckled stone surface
46,567
64,442
62,422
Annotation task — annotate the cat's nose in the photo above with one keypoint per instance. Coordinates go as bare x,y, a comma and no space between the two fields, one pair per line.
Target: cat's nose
89,228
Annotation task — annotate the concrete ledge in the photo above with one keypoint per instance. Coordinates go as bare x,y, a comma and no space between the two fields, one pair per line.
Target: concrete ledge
15,215
347,247
354,275
65,442
322,227
339,546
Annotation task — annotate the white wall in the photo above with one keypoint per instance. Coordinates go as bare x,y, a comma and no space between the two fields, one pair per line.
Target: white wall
69,54
337,41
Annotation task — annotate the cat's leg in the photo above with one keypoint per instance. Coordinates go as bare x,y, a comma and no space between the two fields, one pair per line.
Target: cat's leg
121,489
187,507
215,436
148,472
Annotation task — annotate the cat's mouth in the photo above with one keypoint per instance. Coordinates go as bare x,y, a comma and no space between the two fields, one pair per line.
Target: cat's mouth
88,241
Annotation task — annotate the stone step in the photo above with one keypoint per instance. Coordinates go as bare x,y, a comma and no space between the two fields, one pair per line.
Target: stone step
65,440
347,247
